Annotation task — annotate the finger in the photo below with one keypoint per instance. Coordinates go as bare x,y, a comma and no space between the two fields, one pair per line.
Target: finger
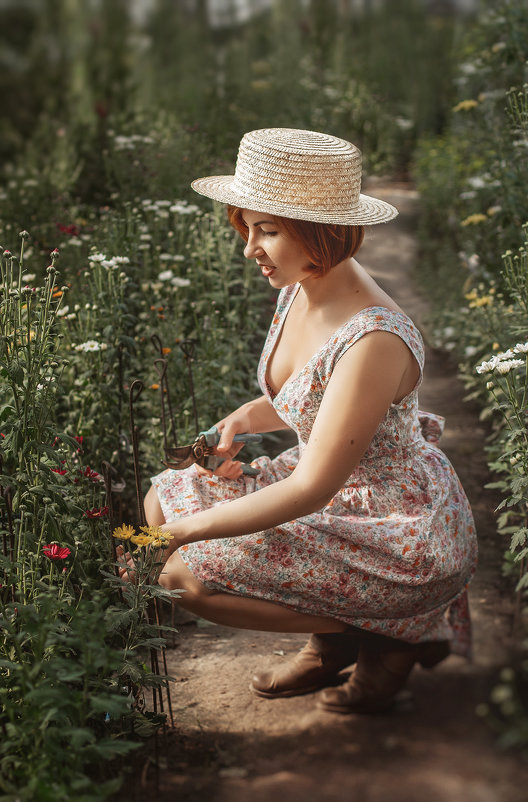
230,469
226,437
202,471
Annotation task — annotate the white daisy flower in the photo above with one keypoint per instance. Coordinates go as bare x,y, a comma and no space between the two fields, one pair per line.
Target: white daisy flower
509,364
521,348
487,367
166,275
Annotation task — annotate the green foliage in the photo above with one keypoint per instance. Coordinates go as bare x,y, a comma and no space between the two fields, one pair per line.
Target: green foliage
70,664
472,181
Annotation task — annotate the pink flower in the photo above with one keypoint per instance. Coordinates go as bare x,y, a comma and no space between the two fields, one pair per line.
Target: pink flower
54,552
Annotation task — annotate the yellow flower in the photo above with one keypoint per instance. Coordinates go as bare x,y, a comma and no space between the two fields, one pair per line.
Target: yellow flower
486,300
465,105
495,346
473,219
158,538
160,543
260,85
124,532
141,540
151,531
260,67
470,296
493,210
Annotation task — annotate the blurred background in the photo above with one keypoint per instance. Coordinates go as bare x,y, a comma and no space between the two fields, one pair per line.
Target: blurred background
195,75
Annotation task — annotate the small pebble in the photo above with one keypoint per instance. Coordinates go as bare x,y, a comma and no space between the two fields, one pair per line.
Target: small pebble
233,773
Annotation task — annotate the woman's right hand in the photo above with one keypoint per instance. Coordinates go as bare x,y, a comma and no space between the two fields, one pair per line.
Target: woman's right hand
253,417
238,422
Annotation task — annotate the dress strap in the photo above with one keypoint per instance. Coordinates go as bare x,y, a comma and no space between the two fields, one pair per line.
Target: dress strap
380,318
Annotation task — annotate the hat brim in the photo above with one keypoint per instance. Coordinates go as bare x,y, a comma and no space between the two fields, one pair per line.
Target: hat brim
368,211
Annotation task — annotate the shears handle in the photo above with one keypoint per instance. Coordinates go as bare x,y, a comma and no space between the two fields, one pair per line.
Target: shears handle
212,437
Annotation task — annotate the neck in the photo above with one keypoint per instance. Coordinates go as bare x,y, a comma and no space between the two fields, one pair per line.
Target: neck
339,280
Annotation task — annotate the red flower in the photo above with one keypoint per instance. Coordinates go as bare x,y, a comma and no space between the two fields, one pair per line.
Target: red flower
101,109
96,512
91,474
57,470
72,229
54,552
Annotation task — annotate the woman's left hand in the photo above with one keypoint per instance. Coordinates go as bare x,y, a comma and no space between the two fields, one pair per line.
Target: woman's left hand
127,566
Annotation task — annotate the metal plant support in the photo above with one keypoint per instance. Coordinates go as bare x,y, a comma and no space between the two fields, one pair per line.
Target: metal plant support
136,389
188,348
166,413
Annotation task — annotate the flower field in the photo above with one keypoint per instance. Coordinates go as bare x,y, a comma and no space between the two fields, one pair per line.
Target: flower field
474,237
129,319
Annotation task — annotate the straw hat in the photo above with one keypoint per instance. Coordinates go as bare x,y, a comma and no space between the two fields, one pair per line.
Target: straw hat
305,175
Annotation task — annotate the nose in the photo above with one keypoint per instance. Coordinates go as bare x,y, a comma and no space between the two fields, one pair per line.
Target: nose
252,248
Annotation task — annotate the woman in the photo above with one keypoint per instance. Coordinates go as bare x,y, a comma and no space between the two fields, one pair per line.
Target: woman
362,533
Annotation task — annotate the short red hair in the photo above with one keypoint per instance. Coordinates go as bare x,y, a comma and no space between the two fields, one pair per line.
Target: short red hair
325,244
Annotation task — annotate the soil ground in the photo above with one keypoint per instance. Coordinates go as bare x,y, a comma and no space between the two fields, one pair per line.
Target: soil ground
230,745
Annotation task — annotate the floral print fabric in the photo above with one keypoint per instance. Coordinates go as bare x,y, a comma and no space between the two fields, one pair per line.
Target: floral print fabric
393,551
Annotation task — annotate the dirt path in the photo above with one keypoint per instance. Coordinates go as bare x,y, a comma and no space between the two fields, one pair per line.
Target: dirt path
229,745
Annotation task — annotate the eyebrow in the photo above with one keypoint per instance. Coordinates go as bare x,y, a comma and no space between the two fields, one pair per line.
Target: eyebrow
260,222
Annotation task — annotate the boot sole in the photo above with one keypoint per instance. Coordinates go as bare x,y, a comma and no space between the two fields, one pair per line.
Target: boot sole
403,697
287,693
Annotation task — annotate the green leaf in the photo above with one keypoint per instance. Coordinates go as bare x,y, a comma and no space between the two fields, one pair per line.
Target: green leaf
519,538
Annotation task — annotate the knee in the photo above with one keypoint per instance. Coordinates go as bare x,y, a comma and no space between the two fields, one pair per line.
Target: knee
176,576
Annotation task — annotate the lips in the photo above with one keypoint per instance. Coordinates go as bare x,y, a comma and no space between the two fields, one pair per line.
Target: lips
266,270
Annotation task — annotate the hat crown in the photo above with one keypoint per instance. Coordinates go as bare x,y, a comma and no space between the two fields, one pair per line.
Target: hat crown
305,175
299,169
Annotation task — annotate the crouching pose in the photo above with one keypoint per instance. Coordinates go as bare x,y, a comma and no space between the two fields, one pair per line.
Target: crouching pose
361,534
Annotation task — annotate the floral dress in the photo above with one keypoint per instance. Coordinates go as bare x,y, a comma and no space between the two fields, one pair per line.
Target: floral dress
392,552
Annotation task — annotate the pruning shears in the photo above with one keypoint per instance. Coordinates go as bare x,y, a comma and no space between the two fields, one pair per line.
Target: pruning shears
201,452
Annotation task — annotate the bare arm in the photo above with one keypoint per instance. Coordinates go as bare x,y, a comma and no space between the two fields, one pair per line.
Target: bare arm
362,387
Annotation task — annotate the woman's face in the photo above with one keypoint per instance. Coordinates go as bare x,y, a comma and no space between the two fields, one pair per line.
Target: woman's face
278,256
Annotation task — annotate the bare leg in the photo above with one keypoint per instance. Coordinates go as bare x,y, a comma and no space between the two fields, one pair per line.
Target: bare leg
226,608
239,611
153,510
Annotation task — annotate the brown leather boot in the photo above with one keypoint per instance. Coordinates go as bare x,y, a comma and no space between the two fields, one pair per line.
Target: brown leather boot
315,666
378,676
